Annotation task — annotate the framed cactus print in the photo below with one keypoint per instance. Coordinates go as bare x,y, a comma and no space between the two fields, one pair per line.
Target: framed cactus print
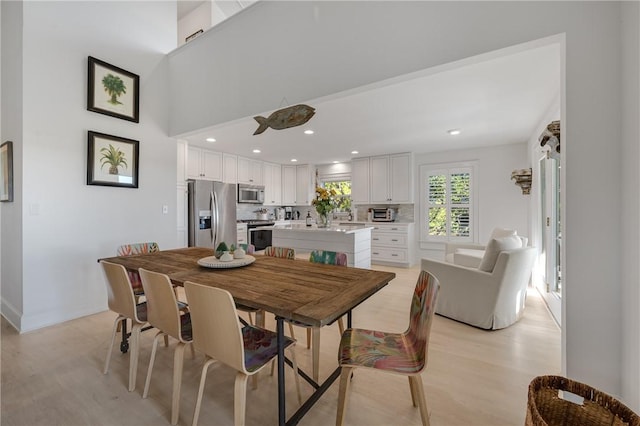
112,161
113,91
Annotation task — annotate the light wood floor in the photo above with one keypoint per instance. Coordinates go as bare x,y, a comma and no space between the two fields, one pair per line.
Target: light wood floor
474,377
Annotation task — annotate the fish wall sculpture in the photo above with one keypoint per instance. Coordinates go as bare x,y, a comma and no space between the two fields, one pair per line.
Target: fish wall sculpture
284,118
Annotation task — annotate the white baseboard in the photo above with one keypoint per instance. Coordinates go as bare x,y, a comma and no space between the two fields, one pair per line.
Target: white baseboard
26,323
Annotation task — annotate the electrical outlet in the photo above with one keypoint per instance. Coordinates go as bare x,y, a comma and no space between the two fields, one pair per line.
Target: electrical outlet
165,209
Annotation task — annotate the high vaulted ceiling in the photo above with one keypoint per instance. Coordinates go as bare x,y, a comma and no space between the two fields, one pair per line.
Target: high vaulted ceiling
492,101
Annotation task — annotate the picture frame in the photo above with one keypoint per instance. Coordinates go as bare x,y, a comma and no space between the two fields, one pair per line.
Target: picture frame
6,171
113,91
112,160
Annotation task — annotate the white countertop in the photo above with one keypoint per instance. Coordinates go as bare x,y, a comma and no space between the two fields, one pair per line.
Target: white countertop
347,229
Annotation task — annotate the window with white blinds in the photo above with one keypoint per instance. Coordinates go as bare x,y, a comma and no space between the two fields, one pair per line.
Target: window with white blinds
447,203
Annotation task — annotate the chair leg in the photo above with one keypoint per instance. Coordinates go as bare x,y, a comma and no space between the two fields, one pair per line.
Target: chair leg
414,401
315,355
116,327
293,336
343,394
203,379
260,320
240,399
309,337
341,326
166,340
135,351
178,362
422,402
152,360
193,350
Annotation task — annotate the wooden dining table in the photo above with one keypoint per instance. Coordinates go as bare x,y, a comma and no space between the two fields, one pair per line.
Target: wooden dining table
312,293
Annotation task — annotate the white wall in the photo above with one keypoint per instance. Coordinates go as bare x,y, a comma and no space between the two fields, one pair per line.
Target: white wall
67,225
12,120
500,201
367,42
198,19
630,88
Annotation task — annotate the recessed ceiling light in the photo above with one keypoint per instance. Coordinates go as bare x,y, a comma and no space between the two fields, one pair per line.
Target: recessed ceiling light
210,139
454,132
354,152
308,132
293,160
256,151
335,162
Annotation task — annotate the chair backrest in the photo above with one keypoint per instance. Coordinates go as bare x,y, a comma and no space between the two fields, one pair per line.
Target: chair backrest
248,248
119,291
423,307
137,248
328,257
214,321
162,306
281,252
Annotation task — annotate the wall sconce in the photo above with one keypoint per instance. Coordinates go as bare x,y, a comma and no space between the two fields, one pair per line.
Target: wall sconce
523,179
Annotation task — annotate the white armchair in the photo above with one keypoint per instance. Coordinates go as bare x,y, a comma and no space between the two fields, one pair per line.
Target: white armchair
489,300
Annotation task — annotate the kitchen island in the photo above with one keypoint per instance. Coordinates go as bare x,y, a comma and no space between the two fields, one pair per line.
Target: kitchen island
355,241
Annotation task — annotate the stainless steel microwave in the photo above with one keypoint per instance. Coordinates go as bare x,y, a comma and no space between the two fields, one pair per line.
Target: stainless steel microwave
253,194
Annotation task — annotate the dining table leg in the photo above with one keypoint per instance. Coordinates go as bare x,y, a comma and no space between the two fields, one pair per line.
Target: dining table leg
281,390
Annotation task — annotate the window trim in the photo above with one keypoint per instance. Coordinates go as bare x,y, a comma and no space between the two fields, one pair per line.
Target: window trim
429,169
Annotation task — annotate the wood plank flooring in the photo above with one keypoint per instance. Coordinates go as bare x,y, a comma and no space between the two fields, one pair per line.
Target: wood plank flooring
474,377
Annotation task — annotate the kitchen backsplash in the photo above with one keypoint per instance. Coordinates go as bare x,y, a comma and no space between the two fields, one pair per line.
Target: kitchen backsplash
404,212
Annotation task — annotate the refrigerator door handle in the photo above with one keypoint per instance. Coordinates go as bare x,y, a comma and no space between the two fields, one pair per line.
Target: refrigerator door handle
215,216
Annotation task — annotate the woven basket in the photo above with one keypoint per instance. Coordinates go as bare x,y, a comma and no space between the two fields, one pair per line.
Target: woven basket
544,407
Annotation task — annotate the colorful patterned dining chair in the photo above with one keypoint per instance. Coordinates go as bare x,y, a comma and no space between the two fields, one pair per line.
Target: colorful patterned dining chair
137,248
281,252
122,301
313,333
248,248
399,353
163,313
217,334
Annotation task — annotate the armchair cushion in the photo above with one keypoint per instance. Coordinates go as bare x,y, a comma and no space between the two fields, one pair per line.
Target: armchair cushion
495,246
502,232
470,258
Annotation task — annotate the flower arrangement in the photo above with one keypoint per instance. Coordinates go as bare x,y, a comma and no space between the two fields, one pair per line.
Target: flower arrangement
325,202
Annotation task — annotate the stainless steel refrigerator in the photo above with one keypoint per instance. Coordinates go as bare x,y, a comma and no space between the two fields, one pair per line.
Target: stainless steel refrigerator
212,213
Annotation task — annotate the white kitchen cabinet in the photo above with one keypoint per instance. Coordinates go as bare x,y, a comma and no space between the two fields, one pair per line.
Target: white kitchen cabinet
288,185
204,164
304,185
297,185
249,171
272,184
392,243
360,180
241,233
391,179
229,168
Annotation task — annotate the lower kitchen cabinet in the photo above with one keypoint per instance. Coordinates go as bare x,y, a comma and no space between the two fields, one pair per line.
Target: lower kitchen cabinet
392,243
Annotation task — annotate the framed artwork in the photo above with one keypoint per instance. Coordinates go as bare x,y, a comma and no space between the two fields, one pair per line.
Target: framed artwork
112,161
113,91
6,171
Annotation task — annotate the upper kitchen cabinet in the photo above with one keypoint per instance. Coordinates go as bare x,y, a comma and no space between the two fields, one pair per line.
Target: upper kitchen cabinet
272,184
391,179
229,168
204,164
249,171
297,185
360,181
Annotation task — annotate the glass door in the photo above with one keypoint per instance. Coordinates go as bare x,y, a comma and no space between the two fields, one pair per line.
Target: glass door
551,233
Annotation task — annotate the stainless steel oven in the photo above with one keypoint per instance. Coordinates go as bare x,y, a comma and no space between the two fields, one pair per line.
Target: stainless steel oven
260,238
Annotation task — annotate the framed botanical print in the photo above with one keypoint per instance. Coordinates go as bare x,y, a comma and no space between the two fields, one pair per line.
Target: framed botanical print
113,91
112,161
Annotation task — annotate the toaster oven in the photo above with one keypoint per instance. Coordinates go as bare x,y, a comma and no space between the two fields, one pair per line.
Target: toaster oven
383,215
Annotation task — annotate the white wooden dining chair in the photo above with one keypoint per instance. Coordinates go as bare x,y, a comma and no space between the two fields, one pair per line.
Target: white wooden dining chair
217,333
122,301
163,313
